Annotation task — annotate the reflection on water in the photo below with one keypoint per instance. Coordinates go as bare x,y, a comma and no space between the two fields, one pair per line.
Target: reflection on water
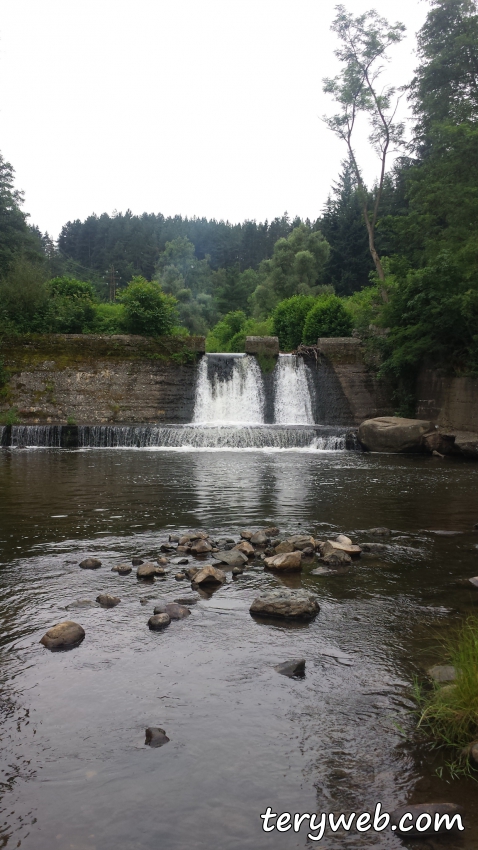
77,774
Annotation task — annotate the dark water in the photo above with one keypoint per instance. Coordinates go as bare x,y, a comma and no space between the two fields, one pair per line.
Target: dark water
76,774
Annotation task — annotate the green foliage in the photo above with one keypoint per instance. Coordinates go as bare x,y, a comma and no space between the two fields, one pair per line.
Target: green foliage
433,314
327,318
67,287
147,310
16,238
230,333
297,262
23,297
190,281
445,86
288,320
448,715
108,318
9,417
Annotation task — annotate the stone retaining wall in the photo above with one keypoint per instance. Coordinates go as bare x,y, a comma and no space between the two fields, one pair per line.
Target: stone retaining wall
99,379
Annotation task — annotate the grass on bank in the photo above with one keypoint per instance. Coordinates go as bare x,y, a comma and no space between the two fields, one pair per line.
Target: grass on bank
448,714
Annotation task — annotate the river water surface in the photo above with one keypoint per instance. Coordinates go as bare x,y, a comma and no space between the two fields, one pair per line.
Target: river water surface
76,774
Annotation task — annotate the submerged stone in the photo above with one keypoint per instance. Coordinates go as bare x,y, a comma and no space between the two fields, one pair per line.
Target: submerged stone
293,667
107,601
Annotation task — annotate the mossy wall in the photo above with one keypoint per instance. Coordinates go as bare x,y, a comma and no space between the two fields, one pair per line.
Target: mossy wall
73,378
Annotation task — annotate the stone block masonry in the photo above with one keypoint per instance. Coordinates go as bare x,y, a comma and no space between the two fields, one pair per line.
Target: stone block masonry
82,379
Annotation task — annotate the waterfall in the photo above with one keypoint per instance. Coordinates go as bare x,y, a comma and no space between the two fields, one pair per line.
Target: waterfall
229,390
213,437
293,403
43,436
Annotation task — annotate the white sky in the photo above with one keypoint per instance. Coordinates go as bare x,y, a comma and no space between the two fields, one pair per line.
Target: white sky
193,107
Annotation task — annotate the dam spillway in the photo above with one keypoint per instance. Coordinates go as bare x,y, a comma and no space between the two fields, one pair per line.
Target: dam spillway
236,406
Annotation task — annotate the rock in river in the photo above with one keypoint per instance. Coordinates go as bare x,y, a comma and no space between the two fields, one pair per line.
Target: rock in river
286,604
159,621
287,561
155,737
107,601
122,569
176,611
63,635
187,600
233,557
149,571
246,549
210,575
201,547
293,667
394,434
90,564
259,538
136,562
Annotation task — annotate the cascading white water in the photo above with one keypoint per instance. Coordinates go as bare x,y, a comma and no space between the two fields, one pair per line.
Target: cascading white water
230,395
292,401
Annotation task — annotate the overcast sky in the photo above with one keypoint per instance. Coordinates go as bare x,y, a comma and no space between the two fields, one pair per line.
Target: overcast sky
193,107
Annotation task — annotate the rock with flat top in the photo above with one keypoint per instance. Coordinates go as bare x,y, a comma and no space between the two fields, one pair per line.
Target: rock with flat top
337,558
232,557
332,546
210,575
63,635
301,541
394,434
156,737
474,582
187,600
107,601
287,561
246,535
287,604
90,564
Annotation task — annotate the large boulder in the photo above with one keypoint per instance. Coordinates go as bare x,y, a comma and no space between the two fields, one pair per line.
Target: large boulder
394,434
176,611
287,561
232,557
63,635
283,547
286,604
209,575
159,621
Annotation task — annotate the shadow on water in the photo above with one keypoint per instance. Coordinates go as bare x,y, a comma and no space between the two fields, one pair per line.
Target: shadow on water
77,775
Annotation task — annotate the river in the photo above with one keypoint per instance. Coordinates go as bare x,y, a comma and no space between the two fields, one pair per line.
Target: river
76,772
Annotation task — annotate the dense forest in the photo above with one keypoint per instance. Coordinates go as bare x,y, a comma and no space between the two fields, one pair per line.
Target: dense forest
396,262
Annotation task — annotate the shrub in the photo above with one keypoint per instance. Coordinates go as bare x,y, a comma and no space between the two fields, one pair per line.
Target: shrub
147,310
108,319
328,317
288,320
230,333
